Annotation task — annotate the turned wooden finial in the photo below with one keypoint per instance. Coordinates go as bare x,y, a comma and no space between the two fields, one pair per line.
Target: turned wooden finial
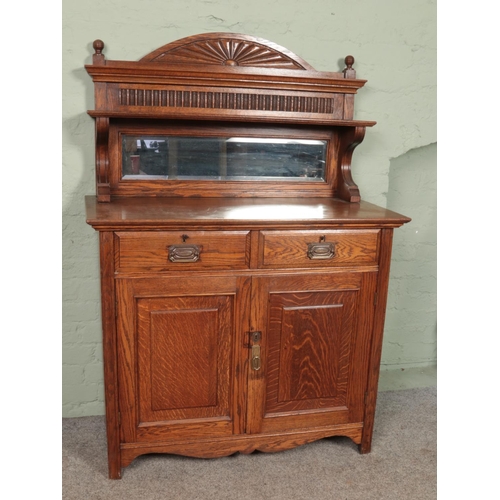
98,57
349,72
99,45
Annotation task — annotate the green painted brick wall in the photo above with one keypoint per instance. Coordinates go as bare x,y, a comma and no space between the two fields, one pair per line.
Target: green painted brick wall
394,44
411,319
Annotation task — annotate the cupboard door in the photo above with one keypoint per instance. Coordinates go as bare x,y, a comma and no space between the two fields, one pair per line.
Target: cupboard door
314,347
178,365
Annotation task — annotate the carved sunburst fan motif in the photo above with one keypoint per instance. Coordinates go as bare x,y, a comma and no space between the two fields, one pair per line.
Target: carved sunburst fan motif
226,52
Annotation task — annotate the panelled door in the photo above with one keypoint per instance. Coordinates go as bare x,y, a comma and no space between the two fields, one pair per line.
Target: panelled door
179,356
312,331
199,354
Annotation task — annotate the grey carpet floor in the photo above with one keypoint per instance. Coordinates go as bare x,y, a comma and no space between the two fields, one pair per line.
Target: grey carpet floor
401,466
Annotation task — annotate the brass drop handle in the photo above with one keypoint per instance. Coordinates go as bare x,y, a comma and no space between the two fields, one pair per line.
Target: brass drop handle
185,252
322,250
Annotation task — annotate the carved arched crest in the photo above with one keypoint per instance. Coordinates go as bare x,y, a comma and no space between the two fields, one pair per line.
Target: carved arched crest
227,49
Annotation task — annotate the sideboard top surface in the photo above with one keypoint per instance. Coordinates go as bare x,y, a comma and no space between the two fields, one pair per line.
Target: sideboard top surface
149,212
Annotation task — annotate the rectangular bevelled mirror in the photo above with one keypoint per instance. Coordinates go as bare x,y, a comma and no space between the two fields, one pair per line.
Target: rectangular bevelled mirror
207,159
164,157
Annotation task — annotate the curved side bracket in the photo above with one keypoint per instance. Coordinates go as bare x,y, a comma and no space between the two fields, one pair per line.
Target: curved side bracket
346,188
102,159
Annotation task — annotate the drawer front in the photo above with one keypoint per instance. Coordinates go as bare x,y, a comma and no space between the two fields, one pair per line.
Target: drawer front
328,248
175,250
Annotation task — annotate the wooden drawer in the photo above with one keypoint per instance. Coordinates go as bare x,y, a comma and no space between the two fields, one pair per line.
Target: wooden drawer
318,248
175,250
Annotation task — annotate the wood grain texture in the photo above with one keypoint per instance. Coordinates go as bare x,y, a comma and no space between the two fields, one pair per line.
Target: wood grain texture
237,214
317,367
225,78
184,358
230,49
290,248
306,377
240,366
313,352
229,116
361,346
316,379
214,99
245,444
109,342
376,342
346,188
348,107
102,169
149,251
127,356
179,336
179,359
